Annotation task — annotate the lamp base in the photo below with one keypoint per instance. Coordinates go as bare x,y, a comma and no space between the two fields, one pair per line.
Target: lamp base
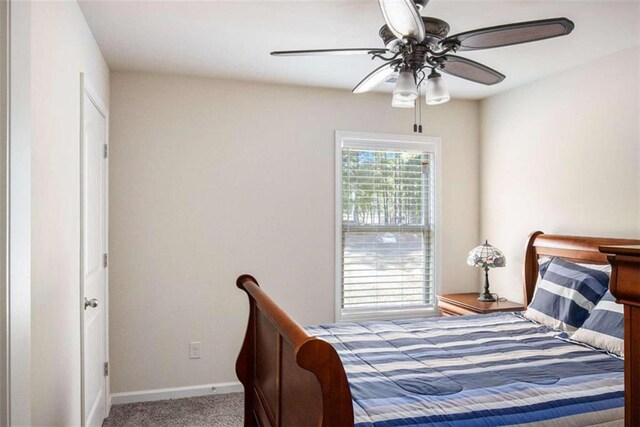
487,297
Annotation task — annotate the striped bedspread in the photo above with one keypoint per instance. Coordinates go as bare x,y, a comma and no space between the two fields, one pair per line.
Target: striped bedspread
497,369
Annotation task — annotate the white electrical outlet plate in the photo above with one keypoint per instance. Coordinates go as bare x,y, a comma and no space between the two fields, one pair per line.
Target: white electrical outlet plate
195,349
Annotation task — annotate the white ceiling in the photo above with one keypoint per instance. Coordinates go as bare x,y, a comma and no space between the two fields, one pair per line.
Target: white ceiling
232,39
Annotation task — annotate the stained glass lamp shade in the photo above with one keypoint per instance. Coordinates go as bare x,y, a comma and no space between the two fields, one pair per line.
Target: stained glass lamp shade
486,257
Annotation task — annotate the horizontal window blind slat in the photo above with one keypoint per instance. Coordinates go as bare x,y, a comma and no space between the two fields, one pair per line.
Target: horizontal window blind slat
375,304
387,307
395,289
372,284
386,293
408,201
406,172
416,296
399,285
355,260
410,271
415,274
356,265
380,228
384,248
418,279
411,184
383,280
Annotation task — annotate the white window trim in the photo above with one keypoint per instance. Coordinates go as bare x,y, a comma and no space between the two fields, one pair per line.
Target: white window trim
388,141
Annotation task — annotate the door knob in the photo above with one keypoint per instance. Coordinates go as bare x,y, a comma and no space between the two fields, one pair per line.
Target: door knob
93,303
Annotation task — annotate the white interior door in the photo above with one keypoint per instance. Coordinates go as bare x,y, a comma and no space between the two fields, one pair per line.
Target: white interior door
94,259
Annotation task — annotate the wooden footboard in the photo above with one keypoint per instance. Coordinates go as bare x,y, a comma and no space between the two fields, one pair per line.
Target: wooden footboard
290,378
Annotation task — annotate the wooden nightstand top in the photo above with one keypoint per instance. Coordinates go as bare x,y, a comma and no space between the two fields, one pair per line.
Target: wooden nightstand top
460,304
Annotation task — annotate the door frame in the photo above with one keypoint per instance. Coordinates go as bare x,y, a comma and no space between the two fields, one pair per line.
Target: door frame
16,206
87,89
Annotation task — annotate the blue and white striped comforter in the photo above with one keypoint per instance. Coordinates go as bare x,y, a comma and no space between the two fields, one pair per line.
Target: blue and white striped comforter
497,369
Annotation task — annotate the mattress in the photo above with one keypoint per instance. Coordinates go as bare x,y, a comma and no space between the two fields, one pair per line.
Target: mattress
480,370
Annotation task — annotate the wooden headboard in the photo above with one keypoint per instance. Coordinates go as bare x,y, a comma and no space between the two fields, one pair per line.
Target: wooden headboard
572,248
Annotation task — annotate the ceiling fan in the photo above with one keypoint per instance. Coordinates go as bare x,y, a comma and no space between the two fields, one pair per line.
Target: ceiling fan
415,45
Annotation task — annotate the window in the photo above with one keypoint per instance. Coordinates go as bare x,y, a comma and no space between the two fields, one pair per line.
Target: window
387,238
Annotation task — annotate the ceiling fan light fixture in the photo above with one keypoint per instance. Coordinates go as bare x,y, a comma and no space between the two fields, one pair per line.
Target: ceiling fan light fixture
405,88
437,92
401,103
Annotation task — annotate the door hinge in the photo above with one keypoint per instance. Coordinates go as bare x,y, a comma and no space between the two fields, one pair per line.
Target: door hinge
106,369
105,152
105,260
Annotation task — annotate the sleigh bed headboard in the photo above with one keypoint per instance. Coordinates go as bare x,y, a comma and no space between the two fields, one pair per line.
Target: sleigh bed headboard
572,248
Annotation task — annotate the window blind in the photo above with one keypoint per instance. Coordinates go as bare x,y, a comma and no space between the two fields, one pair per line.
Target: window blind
387,229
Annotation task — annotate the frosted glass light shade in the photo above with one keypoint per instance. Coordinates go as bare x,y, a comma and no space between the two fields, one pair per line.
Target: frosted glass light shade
405,89
401,103
437,92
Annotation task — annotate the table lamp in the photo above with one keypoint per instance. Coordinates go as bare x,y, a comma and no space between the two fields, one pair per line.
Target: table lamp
486,256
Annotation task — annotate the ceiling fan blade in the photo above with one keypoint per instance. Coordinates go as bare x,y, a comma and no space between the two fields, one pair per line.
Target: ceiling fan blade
376,77
355,51
403,19
471,70
510,34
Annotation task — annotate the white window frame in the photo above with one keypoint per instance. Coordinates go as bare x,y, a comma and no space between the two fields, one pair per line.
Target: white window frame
430,144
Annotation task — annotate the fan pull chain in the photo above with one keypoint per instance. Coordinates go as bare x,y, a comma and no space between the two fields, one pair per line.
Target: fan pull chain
419,110
415,119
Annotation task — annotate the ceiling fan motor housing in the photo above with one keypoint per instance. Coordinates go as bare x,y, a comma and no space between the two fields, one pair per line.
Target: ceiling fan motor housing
435,30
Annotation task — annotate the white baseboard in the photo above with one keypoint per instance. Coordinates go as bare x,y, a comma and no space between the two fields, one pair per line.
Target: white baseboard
175,392
109,402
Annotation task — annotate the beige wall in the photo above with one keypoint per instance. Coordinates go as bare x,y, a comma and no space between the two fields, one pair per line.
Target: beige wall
62,47
561,155
213,178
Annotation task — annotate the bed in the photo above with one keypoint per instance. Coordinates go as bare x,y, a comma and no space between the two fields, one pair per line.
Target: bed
499,369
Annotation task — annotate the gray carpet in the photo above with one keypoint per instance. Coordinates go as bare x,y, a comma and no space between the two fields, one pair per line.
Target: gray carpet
220,410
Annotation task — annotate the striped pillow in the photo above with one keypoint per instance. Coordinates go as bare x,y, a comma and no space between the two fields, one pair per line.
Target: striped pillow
565,294
605,326
544,261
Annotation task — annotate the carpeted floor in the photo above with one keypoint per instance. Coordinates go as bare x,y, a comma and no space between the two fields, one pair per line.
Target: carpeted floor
219,410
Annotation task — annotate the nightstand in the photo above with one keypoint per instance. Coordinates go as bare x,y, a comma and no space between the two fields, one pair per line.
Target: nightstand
461,304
